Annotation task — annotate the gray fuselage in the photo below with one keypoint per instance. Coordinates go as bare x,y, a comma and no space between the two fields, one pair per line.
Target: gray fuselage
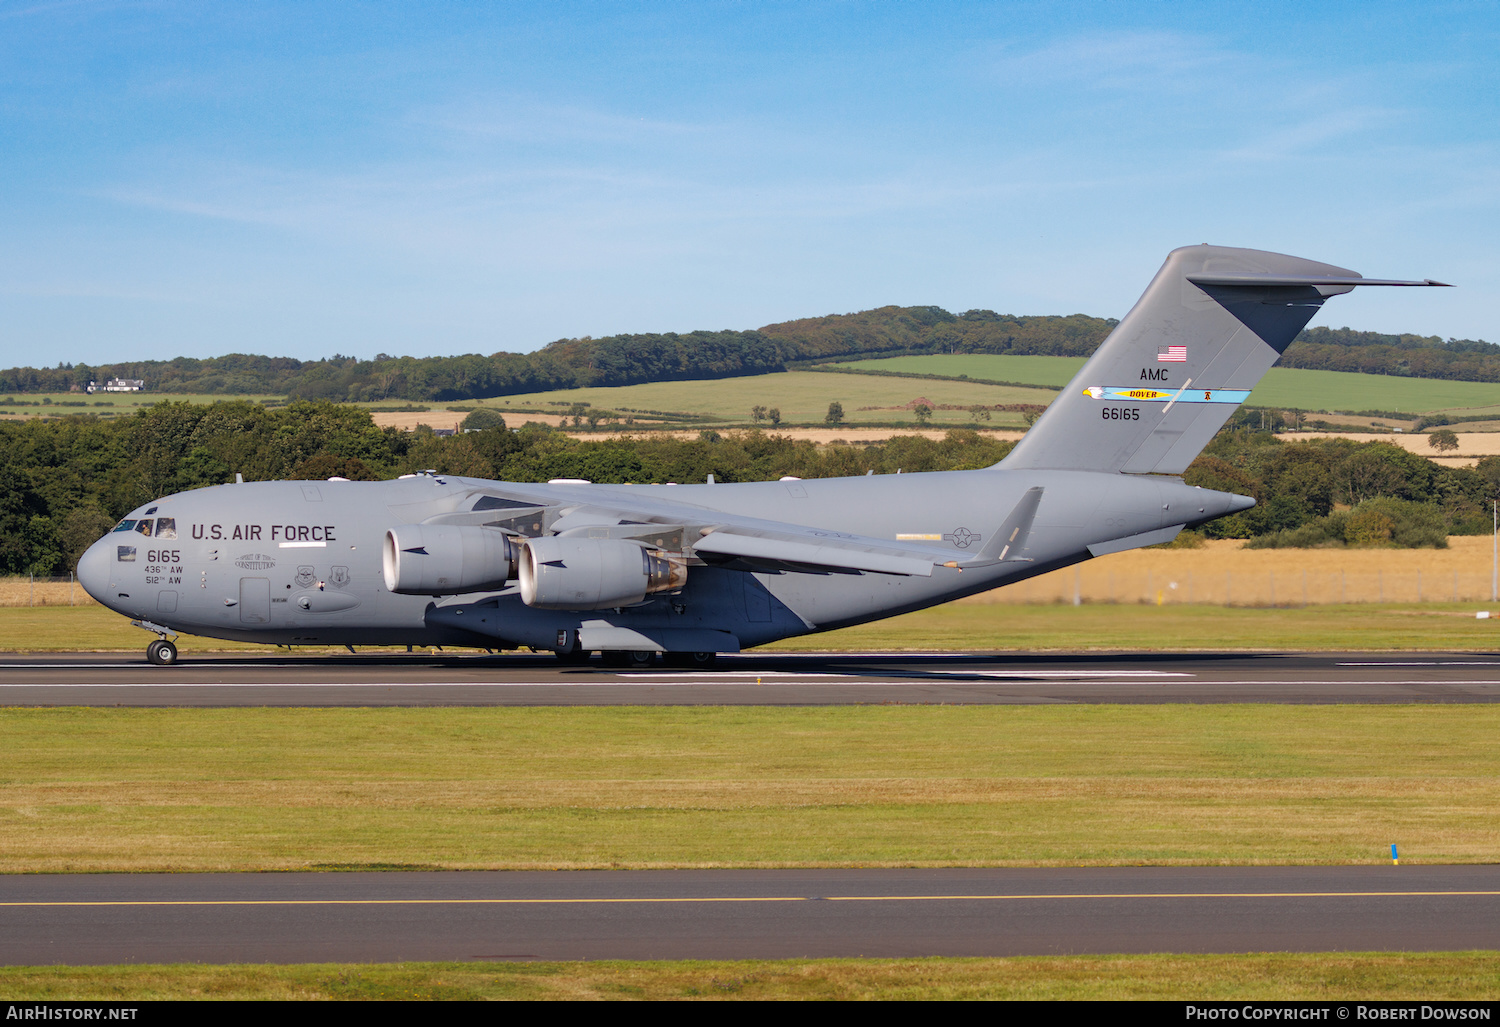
299,563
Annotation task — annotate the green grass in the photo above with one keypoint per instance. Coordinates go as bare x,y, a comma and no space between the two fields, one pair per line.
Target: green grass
88,628
1045,372
117,403
802,396
1342,976
1342,390
1282,386
120,789
1005,627
998,627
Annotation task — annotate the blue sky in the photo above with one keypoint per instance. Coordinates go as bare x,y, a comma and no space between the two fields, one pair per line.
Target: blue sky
302,179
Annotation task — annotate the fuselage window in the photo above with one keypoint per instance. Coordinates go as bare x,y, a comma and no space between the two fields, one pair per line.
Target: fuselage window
166,527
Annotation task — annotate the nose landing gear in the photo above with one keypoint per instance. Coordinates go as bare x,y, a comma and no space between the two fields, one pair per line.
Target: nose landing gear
161,652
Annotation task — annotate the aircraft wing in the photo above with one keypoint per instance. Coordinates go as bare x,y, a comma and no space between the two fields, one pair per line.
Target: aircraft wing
719,536
815,548
818,547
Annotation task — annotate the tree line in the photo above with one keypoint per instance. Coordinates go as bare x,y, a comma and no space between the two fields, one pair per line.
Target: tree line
1336,492
651,357
1405,356
64,483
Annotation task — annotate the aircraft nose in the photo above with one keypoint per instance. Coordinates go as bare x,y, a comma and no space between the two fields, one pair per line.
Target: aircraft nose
94,567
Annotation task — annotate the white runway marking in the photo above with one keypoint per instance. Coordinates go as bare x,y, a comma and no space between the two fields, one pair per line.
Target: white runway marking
1086,674
134,665
642,675
1426,663
1089,675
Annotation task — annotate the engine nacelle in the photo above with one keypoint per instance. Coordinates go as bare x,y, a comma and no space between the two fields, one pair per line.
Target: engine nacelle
561,572
445,559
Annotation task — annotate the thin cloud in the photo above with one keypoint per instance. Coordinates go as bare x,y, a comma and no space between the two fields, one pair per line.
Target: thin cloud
1129,60
1298,139
525,120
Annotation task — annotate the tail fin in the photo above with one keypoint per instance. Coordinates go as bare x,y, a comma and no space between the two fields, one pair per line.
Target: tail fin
1209,326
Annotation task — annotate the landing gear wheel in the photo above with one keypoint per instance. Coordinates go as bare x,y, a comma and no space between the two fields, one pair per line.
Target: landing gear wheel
162,653
697,661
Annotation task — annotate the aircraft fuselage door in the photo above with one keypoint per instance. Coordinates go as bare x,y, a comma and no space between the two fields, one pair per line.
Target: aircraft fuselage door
255,600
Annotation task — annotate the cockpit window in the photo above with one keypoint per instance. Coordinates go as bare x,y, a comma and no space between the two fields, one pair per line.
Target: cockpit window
166,527
125,525
144,527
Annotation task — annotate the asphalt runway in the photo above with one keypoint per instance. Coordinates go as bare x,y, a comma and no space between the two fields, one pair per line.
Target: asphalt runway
771,914
818,679
295,917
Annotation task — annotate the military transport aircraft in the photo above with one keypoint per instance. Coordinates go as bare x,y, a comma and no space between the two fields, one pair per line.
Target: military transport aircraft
631,571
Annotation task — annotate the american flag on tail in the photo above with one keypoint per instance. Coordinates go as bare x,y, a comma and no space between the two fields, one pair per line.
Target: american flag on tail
1171,354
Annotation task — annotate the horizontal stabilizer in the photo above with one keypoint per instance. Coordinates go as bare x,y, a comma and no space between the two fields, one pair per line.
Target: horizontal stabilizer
1336,280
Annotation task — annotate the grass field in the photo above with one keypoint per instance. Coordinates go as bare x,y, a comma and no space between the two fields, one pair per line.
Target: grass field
118,789
962,626
113,404
1050,373
1226,573
1339,976
802,396
1282,386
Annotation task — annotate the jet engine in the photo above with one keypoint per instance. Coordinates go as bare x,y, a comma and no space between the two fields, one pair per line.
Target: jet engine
445,559
561,572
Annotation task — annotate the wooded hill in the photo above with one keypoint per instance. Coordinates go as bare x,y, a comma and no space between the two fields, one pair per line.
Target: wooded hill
634,359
